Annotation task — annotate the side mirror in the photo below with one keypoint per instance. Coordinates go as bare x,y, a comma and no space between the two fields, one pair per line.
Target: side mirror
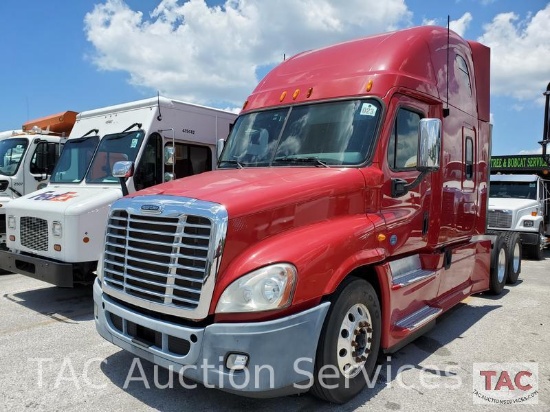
169,155
429,145
220,144
429,149
122,170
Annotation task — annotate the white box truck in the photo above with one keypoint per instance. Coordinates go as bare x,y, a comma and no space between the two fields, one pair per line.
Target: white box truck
27,158
56,234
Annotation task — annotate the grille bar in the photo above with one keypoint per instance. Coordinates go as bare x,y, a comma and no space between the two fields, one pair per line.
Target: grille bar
34,233
499,219
163,253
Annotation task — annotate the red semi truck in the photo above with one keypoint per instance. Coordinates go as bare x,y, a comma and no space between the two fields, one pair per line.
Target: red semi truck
348,212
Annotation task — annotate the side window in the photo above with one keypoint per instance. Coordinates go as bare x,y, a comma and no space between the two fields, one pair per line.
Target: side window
45,157
149,169
463,74
191,159
469,159
403,147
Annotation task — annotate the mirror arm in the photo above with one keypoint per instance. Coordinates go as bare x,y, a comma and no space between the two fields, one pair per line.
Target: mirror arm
400,187
123,186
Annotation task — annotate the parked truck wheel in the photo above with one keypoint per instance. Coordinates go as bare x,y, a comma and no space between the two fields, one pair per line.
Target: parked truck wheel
513,245
499,266
349,343
536,251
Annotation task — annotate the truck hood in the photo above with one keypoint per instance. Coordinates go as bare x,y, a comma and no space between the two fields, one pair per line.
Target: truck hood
251,190
497,203
68,200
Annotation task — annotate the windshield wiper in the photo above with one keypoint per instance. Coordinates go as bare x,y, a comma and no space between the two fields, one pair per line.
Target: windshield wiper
233,162
292,159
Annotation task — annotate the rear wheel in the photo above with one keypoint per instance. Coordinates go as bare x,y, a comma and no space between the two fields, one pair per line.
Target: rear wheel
499,266
513,245
349,343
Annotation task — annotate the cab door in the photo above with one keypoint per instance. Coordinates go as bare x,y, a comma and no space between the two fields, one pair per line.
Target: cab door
43,157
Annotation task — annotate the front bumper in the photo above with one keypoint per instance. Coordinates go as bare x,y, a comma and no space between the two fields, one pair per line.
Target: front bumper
281,353
56,273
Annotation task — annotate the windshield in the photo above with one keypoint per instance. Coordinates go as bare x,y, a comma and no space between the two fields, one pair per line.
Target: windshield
516,190
11,154
113,148
324,134
74,160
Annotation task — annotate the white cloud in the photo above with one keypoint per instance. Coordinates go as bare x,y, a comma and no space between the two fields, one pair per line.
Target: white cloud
459,26
204,54
531,152
520,54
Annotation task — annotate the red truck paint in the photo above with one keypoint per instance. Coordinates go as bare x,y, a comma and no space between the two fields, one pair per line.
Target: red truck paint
335,223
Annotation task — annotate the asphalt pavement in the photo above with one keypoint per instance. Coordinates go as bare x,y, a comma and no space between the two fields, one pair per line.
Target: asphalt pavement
53,359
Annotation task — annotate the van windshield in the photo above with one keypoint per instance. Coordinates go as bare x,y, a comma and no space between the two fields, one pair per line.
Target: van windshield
324,134
11,154
516,190
114,148
74,160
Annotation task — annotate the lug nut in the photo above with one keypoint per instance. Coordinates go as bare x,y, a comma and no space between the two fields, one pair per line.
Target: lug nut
357,359
363,358
369,330
354,344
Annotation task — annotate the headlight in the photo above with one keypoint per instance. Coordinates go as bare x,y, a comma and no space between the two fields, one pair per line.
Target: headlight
57,229
528,223
267,288
11,222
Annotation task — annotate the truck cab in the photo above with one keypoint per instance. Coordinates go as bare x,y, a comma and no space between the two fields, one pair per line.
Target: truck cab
519,203
27,158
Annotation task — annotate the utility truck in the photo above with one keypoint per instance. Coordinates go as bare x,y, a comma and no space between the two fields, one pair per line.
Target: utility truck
518,204
28,157
347,213
56,234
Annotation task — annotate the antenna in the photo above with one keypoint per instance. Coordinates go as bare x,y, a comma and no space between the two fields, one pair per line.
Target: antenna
159,117
446,110
546,133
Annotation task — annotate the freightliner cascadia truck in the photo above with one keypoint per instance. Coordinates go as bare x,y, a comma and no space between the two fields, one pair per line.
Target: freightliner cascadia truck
348,212
56,234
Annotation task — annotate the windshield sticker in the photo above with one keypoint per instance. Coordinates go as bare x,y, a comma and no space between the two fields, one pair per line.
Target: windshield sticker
134,143
368,109
55,197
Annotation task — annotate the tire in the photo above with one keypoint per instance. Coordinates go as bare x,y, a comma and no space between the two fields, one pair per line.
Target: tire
349,342
513,246
499,267
536,251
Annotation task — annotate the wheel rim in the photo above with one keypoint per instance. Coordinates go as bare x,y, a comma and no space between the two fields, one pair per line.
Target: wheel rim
354,340
501,265
516,258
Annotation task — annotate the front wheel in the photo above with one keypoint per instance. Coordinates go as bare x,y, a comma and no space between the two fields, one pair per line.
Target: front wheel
537,249
513,244
499,266
349,343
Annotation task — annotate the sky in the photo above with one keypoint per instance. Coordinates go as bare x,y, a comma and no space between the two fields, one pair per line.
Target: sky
61,55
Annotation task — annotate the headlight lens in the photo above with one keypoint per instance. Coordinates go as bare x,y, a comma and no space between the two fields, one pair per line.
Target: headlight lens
267,288
528,223
57,229
11,222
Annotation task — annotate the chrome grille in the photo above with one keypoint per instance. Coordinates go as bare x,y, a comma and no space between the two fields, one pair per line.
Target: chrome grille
34,233
499,219
161,259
